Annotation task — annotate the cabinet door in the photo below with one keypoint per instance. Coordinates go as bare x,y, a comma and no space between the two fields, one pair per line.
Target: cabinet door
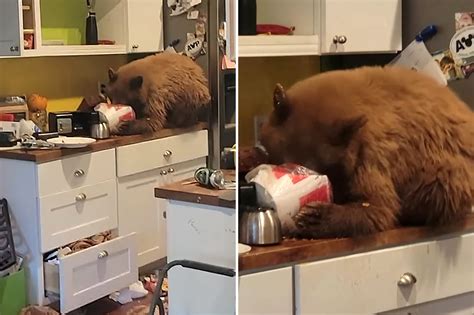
145,26
266,293
139,211
9,28
361,26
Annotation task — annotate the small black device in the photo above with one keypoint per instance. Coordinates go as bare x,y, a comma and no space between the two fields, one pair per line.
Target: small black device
72,123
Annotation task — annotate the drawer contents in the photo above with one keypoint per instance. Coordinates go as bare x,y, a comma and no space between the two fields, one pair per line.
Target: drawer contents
76,171
78,213
84,276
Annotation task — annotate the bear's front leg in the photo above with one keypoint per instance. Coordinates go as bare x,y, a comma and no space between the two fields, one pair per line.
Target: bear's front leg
332,220
134,127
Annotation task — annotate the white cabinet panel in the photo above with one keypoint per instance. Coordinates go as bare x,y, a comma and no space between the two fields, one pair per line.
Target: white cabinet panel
9,28
457,305
145,37
367,25
367,283
140,212
93,273
267,293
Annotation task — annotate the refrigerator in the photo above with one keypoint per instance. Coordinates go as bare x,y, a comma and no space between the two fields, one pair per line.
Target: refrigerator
416,14
218,41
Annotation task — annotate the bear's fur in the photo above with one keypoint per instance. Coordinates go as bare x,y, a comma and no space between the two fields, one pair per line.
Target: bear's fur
165,90
397,147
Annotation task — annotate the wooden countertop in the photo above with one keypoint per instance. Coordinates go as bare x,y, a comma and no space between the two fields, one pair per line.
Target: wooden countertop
190,191
41,156
293,251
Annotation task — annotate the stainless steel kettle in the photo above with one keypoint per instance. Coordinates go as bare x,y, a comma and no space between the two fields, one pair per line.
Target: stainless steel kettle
99,126
259,226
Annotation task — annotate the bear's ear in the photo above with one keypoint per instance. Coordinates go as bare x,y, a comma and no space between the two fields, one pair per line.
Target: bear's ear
136,83
343,131
281,105
112,75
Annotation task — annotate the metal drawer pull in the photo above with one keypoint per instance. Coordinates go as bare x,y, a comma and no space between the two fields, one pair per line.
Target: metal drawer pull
163,173
171,170
79,173
407,279
103,254
167,154
339,39
81,197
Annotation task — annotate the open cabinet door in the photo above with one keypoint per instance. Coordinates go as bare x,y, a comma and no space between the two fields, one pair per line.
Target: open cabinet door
9,28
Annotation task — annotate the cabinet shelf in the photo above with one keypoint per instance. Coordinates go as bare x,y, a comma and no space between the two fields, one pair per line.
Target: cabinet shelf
278,45
76,50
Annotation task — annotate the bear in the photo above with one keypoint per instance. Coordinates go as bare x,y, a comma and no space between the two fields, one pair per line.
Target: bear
398,149
166,90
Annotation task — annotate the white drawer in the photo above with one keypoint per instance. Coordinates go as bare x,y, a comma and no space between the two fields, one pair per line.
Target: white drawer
77,171
145,156
367,283
267,293
64,219
92,273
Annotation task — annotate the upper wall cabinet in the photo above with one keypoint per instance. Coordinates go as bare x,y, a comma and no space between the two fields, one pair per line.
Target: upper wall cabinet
9,28
58,27
326,27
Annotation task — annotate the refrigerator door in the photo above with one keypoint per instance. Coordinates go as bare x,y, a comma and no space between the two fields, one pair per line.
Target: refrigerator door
416,17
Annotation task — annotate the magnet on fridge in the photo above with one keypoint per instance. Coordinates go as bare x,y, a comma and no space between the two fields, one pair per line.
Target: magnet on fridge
193,15
193,47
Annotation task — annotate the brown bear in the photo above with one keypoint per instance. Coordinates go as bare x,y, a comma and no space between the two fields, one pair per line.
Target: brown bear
165,90
397,147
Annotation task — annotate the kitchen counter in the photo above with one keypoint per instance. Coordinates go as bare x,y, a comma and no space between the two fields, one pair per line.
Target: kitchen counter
294,251
42,156
189,190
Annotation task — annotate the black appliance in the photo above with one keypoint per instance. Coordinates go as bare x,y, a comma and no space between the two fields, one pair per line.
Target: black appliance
72,123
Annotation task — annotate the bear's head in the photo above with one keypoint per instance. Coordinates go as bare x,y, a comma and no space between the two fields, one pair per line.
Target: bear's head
304,129
126,89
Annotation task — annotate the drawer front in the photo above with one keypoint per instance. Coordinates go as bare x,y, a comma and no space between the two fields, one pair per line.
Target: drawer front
82,212
266,293
367,283
96,272
77,171
145,156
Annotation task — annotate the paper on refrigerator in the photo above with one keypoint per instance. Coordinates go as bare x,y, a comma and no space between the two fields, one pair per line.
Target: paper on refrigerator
417,57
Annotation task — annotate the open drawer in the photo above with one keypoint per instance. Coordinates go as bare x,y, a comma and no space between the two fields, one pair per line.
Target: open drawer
92,273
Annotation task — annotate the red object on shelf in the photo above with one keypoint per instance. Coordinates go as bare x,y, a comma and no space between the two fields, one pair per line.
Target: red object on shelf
7,117
274,29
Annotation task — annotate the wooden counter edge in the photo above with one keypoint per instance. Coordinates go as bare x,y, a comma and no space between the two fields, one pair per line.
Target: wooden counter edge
43,156
193,198
298,251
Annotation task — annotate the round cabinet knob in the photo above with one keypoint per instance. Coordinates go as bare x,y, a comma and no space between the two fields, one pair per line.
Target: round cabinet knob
164,214
163,172
407,279
171,170
79,173
102,254
342,39
81,197
14,48
167,154
339,39
134,46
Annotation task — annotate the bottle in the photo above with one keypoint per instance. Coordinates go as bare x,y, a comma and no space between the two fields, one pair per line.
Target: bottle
247,17
91,29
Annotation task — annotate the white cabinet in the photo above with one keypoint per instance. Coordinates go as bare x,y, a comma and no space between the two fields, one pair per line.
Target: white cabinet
267,293
462,304
362,26
133,26
205,234
144,28
9,28
140,212
142,167
349,26
349,284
